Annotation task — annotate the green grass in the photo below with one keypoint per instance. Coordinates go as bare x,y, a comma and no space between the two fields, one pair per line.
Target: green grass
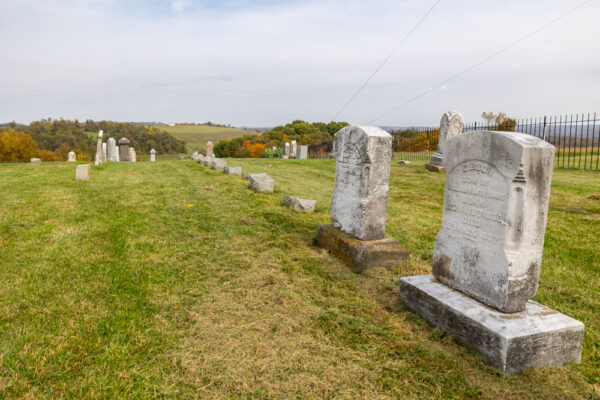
169,280
197,136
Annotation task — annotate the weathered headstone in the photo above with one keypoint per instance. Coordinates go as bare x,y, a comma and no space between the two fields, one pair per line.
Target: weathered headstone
296,204
152,155
359,202
232,170
293,149
489,250
82,172
104,153
35,160
261,183
303,152
124,149
209,149
286,152
218,164
132,155
112,149
451,125
72,157
98,159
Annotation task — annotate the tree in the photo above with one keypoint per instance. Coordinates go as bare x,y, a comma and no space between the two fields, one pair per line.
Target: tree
17,146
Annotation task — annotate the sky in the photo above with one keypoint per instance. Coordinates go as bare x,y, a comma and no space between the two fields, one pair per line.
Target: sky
269,62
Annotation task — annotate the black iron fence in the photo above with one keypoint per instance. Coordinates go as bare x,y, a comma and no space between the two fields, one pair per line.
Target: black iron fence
576,138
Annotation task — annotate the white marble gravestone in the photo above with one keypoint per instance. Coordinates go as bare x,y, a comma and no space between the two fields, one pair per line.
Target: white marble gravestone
98,159
112,149
293,149
132,155
72,157
286,152
362,171
488,253
152,155
82,172
303,152
209,150
104,153
451,125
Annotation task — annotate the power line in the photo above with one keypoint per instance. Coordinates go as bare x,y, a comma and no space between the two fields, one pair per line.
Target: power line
527,36
386,60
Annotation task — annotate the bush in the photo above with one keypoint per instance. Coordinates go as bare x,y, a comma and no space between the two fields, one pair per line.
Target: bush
270,153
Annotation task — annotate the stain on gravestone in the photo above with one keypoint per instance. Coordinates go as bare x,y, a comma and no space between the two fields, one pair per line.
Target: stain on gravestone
359,202
112,149
451,125
489,249
124,149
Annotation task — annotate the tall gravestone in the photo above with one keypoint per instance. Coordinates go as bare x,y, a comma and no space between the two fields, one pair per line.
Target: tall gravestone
359,202
132,155
303,152
124,149
489,250
286,152
72,157
104,152
152,155
98,159
293,149
209,150
451,125
112,149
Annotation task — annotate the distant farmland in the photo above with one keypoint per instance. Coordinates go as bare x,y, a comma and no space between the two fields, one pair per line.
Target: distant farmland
197,136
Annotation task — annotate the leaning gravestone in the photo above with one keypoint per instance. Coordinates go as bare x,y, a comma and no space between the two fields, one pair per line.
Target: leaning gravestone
359,202
124,149
209,149
152,155
232,170
489,250
112,149
72,157
261,183
451,125
82,172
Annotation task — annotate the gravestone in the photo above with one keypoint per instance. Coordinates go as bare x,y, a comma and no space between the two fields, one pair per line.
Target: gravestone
117,155
218,164
286,152
303,152
104,151
451,125
35,160
209,150
98,159
112,149
261,183
132,155
124,149
232,170
488,252
72,157
152,155
359,202
296,204
82,172
293,149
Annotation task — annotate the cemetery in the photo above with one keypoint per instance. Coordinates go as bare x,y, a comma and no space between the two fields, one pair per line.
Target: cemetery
358,276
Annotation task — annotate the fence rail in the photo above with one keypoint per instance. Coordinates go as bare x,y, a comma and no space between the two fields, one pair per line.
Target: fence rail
576,138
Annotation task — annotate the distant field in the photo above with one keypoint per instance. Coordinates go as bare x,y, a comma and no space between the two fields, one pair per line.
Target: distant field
197,136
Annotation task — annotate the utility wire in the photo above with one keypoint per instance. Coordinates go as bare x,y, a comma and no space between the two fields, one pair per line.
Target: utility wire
527,36
386,60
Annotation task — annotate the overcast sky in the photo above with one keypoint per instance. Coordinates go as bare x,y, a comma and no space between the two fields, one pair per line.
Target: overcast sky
267,62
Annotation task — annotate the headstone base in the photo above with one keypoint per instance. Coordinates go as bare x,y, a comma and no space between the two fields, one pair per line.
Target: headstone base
361,254
435,167
535,337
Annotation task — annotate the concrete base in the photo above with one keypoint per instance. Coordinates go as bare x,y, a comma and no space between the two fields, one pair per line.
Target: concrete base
361,254
435,168
535,337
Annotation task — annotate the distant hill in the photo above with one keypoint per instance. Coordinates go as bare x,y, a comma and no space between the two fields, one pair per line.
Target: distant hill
196,136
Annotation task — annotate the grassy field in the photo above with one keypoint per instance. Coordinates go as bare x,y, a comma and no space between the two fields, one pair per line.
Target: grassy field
197,136
169,280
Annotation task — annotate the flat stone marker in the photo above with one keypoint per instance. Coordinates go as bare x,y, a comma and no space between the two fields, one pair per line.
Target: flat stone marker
124,149
112,152
82,172
359,202
218,164
72,157
489,250
451,125
261,183
152,155
303,152
35,160
296,204
232,170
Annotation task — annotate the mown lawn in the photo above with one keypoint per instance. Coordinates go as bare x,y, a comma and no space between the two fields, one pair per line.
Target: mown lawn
169,280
